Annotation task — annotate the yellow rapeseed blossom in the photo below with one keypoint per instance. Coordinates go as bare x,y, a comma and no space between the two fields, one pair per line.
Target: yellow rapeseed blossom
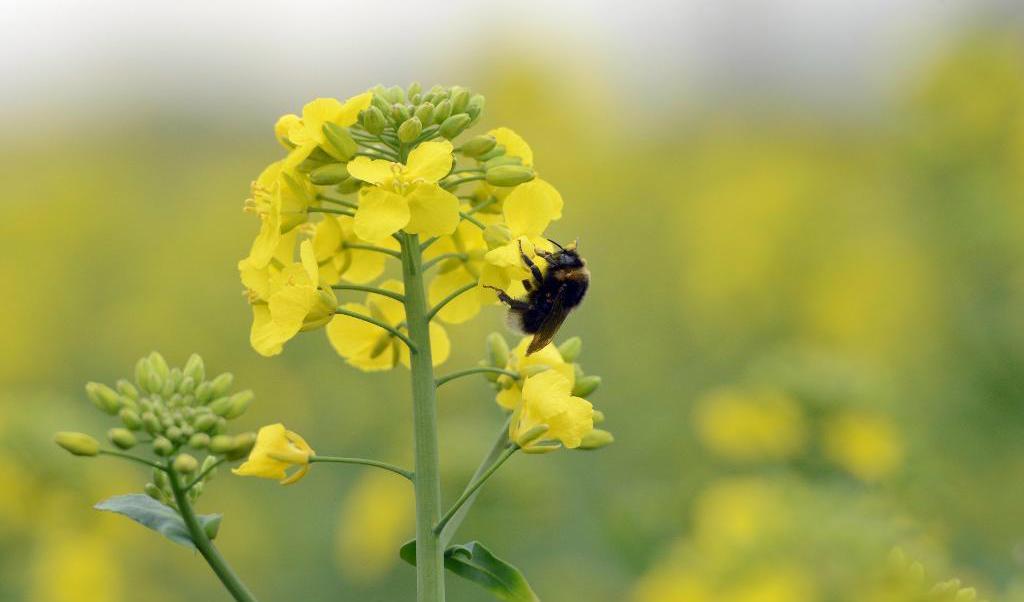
406,196
510,396
338,261
296,302
548,401
371,348
306,133
376,518
276,451
751,425
866,445
281,198
453,274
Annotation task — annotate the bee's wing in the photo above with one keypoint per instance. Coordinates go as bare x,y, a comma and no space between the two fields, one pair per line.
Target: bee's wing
551,324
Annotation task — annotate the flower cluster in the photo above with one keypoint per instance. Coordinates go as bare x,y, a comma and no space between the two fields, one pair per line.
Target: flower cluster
171,411
359,173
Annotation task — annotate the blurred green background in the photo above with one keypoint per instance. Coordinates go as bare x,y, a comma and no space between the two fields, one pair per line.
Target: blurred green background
806,228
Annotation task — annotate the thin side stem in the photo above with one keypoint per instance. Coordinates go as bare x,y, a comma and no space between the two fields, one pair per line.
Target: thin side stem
440,304
469,218
477,370
117,454
367,247
427,479
443,256
370,320
454,183
342,202
500,444
378,155
476,485
220,566
481,206
426,244
203,474
408,474
369,289
331,210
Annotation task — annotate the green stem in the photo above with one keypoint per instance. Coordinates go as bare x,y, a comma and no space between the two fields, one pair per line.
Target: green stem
331,210
203,474
469,218
369,289
477,484
477,370
371,320
427,479
454,183
117,454
500,444
374,248
342,202
440,304
476,208
339,460
220,567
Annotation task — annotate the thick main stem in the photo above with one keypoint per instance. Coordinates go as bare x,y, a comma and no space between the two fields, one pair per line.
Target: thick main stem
427,478
212,555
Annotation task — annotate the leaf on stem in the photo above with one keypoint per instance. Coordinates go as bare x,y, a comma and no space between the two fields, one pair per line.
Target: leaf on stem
474,562
160,518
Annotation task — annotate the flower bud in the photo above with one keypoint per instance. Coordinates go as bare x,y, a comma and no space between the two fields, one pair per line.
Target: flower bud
586,385
414,89
332,173
103,397
239,404
373,120
570,349
425,113
395,94
454,125
174,433
349,186
199,441
131,419
207,467
122,438
222,444
535,433
220,406
222,383
399,113
509,175
185,464
159,365
460,100
204,392
155,492
194,368
497,151
340,144
168,389
410,130
598,417
78,444
187,385
127,389
241,446
380,99
596,439
154,382
142,372
478,145
497,350
162,446
501,160
205,422
212,526
442,110
475,108
542,448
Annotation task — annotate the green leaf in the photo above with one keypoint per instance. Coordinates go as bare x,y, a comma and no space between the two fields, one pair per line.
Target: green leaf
474,562
156,516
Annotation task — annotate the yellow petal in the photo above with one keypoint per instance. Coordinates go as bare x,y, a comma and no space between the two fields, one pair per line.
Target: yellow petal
530,207
463,307
385,308
380,214
285,125
356,341
309,263
429,162
260,464
288,310
510,398
349,113
374,171
263,335
574,421
546,386
318,112
514,145
433,211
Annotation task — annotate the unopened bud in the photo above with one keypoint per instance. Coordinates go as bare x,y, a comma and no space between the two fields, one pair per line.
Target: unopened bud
373,120
187,385
154,492
159,364
154,382
194,368
142,372
204,392
131,419
414,89
162,446
212,526
239,404
460,100
340,144
332,173
501,160
199,441
103,397
425,113
497,350
542,448
586,385
454,125
395,94
222,444
78,444
598,416
475,108
186,464
151,423
442,111
478,145
220,406
570,349
596,439
122,438
532,435
174,433
399,113
205,422
509,175
127,389
410,130
241,446
222,383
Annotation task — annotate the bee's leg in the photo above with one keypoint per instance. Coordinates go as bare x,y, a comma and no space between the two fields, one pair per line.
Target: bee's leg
509,301
533,267
528,285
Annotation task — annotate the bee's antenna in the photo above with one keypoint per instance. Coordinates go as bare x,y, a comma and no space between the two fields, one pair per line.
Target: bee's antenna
556,244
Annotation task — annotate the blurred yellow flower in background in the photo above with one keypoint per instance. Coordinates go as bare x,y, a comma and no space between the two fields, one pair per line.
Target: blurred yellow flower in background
73,566
746,425
376,519
276,451
867,445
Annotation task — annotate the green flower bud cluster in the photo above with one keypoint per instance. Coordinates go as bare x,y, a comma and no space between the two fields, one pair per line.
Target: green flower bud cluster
500,169
413,114
170,410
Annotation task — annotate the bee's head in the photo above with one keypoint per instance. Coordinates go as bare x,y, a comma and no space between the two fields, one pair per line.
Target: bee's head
564,257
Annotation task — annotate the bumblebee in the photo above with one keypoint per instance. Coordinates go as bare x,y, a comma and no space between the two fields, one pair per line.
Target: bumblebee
551,295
